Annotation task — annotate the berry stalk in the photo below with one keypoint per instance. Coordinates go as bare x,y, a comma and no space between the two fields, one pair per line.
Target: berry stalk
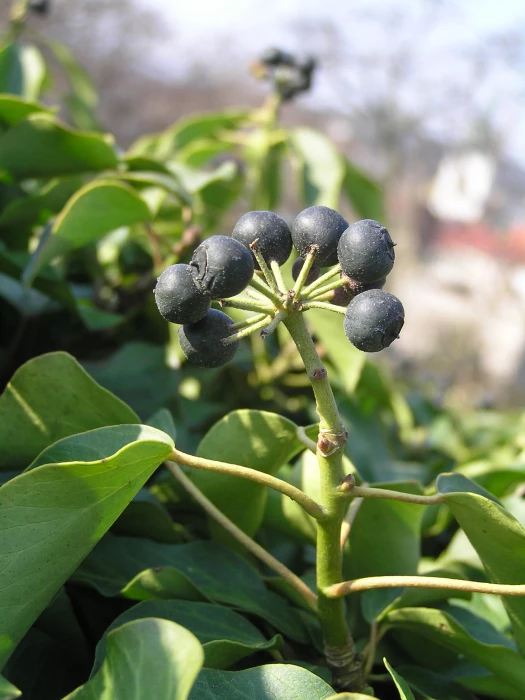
339,645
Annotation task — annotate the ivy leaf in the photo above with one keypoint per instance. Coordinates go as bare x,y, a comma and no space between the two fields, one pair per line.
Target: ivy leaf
41,146
499,540
48,398
402,686
322,168
226,636
263,683
55,513
8,690
93,211
145,659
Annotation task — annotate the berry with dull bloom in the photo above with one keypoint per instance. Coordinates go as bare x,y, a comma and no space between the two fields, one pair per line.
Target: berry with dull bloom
320,226
202,342
222,267
373,320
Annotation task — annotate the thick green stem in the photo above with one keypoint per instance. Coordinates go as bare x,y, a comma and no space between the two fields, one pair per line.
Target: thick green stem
338,642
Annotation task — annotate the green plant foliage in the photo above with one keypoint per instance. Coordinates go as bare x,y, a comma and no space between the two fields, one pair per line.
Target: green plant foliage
93,211
321,166
13,109
257,439
8,690
111,466
214,574
499,540
41,146
48,398
145,658
402,686
441,628
226,636
264,683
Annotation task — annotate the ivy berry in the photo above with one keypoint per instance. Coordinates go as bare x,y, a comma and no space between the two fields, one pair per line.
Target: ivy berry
320,226
298,266
177,296
274,240
222,267
202,342
373,320
366,251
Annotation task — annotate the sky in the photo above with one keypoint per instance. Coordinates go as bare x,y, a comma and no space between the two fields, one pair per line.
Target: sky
223,35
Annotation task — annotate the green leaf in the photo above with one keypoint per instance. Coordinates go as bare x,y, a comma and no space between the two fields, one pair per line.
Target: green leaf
347,361
11,75
499,540
349,696
34,71
146,517
8,690
257,439
19,217
145,659
270,682
441,628
432,685
13,109
96,209
225,635
145,391
458,483
217,573
363,193
48,398
41,146
56,513
166,182
321,166
404,691
384,540
163,420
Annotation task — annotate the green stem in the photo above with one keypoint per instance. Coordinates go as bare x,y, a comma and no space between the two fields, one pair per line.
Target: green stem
339,645
304,272
307,594
268,274
305,440
364,584
321,281
263,288
248,322
278,274
387,494
245,332
309,505
324,290
247,305
324,305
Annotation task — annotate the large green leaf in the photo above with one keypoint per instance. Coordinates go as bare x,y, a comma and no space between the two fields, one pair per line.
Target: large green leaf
225,635
8,690
145,659
48,398
53,515
217,573
441,628
93,211
499,540
41,146
270,682
257,439
363,193
321,165
347,361
402,686
13,109
385,539
11,73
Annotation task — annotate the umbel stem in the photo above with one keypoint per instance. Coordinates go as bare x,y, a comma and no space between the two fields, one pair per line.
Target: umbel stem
339,645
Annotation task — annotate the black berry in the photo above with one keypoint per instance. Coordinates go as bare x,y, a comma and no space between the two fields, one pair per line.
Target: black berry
178,298
342,296
366,251
202,344
312,275
373,320
273,236
322,227
222,267
276,57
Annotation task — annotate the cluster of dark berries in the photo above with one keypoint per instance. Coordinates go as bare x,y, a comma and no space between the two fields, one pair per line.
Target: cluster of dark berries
288,75
261,242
